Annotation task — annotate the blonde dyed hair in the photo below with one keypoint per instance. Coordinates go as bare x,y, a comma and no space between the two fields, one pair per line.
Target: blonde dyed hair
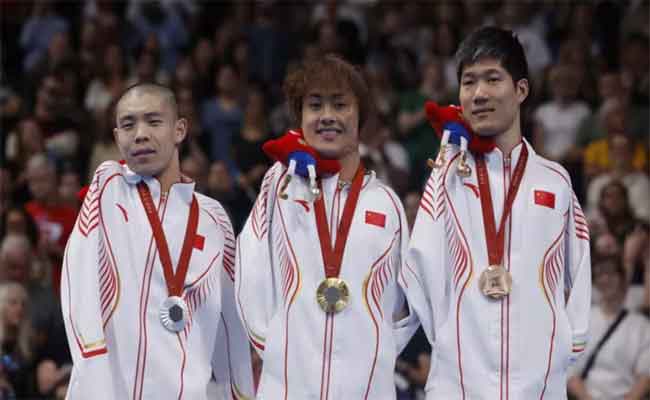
24,333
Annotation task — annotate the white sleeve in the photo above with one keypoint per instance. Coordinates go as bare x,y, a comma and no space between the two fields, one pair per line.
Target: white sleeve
87,272
404,328
231,360
578,276
255,285
425,276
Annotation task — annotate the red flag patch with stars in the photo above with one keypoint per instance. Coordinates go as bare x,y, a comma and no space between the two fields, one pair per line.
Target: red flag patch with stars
544,198
375,218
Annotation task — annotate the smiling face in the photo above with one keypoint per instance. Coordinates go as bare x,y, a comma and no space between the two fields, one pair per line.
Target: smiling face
330,122
490,98
148,131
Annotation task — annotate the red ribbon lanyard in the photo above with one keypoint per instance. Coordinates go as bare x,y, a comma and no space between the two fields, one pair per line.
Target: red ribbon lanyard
332,258
174,281
495,240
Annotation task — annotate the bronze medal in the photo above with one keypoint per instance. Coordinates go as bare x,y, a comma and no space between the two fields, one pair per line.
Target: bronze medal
332,295
495,282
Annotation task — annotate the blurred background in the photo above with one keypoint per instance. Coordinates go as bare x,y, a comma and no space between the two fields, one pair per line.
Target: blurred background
63,63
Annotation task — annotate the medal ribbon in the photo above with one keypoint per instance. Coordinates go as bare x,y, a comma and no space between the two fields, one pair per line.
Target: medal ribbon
495,239
332,258
174,281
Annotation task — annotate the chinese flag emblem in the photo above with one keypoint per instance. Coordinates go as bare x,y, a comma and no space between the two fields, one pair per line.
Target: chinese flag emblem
375,218
544,198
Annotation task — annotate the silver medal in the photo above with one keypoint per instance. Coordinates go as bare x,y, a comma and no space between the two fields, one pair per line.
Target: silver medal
173,314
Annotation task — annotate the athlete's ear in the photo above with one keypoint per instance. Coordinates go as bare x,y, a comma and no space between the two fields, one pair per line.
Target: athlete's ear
180,130
522,89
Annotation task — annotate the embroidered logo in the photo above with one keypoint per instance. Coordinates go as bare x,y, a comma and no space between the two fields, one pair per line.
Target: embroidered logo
375,218
544,198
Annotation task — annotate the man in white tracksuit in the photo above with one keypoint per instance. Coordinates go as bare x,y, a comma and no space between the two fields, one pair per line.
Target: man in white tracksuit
503,299
147,288
284,254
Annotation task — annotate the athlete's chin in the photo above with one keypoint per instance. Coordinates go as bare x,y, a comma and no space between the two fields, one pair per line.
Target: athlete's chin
329,150
485,130
143,169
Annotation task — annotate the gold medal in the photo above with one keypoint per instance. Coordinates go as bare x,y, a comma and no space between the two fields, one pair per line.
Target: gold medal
495,282
332,295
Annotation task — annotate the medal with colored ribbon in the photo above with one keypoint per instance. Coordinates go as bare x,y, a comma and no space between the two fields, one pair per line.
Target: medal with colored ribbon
333,293
173,311
496,281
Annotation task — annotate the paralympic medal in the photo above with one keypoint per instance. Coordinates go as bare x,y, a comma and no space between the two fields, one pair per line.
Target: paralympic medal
332,295
495,282
173,313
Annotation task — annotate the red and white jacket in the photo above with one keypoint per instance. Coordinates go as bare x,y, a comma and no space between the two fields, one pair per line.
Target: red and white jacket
518,347
307,353
113,287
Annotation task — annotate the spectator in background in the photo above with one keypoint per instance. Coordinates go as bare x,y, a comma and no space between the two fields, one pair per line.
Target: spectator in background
197,142
19,264
613,94
60,55
203,59
445,41
636,262
388,158
57,115
614,214
247,144
69,187
617,232
55,220
165,21
635,62
222,116
16,220
110,82
42,25
90,54
26,141
614,117
382,91
515,15
269,47
414,130
637,183
222,187
147,69
557,120
103,147
196,168
621,367
572,52
16,341
184,75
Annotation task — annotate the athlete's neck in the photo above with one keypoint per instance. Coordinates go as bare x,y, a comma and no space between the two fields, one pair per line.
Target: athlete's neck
170,175
349,165
509,139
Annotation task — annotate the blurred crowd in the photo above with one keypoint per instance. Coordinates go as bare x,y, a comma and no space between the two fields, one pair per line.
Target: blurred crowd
63,64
